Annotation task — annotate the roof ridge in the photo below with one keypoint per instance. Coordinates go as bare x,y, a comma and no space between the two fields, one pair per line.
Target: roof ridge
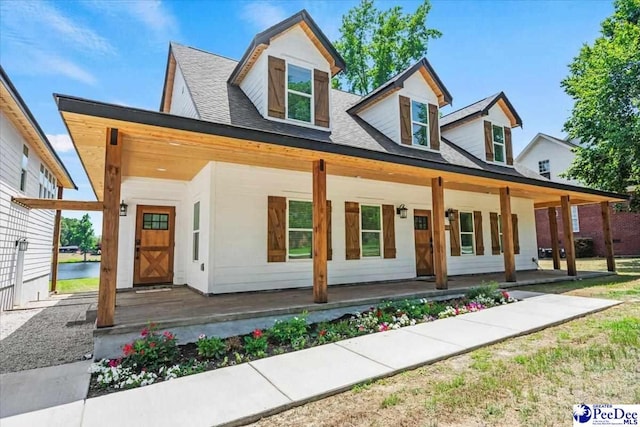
473,103
203,51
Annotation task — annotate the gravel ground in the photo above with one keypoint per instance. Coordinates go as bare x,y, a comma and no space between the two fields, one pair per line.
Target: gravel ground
39,337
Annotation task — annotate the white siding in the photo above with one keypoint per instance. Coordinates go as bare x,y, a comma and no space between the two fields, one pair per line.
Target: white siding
470,136
240,222
16,222
385,115
559,155
181,102
294,47
254,85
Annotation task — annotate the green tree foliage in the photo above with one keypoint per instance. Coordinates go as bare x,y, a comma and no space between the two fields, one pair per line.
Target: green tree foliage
604,81
377,44
78,232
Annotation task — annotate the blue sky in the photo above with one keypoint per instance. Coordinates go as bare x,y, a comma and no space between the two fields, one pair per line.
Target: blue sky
116,51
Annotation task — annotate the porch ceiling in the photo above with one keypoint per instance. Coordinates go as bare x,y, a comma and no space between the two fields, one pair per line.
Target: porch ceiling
158,151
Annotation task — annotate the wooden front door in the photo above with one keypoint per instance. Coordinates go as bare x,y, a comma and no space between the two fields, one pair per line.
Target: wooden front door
154,243
424,242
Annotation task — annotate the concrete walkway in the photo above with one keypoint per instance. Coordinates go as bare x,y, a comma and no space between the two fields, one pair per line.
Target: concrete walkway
247,392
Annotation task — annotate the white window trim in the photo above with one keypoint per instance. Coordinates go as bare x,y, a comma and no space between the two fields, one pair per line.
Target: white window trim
312,114
503,144
413,122
575,219
472,232
195,230
546,162
416,146
362,230
24,170
299,229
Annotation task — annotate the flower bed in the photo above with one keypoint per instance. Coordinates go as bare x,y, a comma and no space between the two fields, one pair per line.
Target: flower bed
156,356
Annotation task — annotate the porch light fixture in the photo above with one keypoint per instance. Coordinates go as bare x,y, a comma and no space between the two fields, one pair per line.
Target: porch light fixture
450,215
22,244
402,211
123,208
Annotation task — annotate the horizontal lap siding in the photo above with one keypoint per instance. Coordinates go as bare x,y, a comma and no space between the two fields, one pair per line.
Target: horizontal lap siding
17,222
240,229
254,83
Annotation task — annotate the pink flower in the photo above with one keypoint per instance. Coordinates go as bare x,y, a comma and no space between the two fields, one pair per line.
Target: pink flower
257,333
152,344
128,349
383,327
322,332
168,335
202,336
505,294
144,332
114,362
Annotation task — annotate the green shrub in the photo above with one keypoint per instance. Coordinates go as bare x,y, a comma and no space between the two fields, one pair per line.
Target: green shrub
256,344
489,290
151,351
211,348
289,332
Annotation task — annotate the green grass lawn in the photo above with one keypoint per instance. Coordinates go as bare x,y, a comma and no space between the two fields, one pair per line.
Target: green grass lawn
70,286
531,380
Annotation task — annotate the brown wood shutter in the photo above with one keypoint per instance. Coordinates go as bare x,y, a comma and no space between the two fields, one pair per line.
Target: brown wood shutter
488,141
329,246
352,229
454,234
508,146
276,91
516,237
389,230
405,120
277,229
495,234
477,228
321,98
434,127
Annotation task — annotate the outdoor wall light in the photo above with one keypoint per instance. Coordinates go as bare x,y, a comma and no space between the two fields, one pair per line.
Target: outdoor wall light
450,215
22,244
402,211
123,208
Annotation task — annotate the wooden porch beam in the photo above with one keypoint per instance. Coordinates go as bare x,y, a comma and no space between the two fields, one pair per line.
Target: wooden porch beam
556,204
58,204
553,231
608,238
56,244
319,239
567,227
439,240
110,225
507,235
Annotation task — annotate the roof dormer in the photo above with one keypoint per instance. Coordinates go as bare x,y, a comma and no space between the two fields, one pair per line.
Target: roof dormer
406,108
287,70
484,129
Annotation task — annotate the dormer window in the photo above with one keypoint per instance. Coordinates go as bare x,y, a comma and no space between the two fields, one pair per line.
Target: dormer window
498,144
299,93
420,123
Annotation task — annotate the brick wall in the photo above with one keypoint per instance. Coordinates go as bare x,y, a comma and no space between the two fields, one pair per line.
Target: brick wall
625,227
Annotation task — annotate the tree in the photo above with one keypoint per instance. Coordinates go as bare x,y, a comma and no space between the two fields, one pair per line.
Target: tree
604,81
78,232
376,44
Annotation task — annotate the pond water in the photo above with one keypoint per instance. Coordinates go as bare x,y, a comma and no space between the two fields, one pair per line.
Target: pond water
78,270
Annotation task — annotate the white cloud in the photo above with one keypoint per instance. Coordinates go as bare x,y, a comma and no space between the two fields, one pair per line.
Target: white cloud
61,143
262,14
153,14
57,65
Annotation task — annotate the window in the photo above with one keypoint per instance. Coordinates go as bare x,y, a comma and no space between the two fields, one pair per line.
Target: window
420,123
466,233
154,221
25,163
196,231
299,93
498,143
575,220
544,168
300,229
371,227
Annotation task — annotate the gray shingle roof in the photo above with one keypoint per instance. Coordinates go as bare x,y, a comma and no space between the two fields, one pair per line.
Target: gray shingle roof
217,101
479,108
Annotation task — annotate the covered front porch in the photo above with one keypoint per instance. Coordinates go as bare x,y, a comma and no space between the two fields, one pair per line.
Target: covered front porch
180,306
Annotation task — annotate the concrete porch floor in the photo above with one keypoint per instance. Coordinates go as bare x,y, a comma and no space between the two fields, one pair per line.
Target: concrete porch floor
180,306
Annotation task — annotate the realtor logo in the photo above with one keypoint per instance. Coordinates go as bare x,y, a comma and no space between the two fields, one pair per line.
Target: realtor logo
605,415
581,413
